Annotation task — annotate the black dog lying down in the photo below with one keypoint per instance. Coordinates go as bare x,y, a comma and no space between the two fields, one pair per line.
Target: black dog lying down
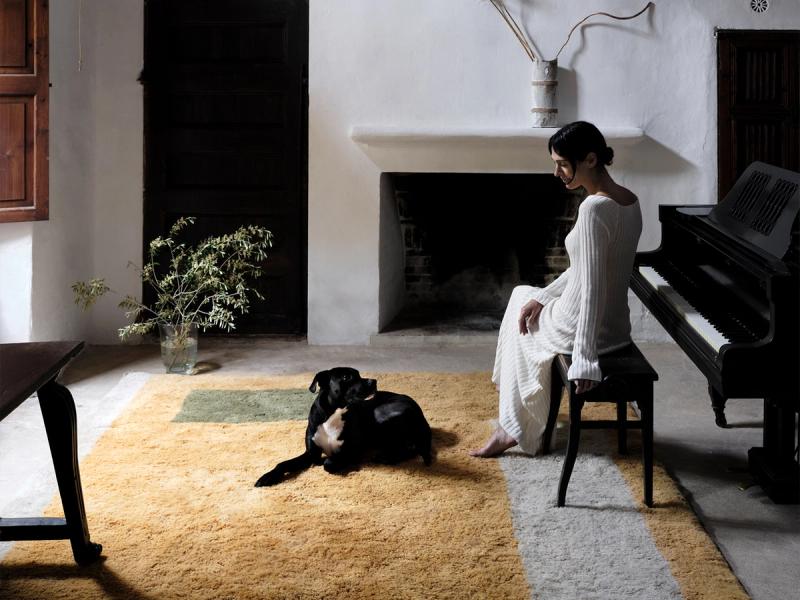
350,421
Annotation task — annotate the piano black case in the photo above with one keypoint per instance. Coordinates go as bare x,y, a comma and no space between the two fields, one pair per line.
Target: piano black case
727,291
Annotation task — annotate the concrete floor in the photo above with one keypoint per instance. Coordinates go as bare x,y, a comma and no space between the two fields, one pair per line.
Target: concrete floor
759,539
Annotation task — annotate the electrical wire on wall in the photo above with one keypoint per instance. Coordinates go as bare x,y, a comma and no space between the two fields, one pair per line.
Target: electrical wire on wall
80,37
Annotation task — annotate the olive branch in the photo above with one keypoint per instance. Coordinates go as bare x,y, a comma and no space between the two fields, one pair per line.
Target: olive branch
207,284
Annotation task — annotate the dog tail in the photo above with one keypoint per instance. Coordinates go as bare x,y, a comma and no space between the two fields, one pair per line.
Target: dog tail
293,465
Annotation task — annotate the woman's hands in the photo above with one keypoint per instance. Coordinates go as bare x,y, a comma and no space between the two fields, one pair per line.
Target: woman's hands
527,317
530,312
584,385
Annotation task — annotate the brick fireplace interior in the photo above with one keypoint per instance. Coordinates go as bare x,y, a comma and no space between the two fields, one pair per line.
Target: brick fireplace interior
468,239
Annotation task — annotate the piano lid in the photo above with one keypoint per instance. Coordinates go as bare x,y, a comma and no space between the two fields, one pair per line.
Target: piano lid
761,207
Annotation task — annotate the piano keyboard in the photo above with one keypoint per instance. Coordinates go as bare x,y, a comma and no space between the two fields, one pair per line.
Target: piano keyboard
693,318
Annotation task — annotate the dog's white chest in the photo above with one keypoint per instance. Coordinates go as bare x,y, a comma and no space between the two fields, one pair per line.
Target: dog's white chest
327,434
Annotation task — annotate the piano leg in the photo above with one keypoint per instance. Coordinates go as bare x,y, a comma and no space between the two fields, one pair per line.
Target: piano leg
718,404
774,465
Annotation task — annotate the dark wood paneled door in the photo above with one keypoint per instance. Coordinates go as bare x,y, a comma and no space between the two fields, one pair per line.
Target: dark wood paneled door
226,110
758,92
24,110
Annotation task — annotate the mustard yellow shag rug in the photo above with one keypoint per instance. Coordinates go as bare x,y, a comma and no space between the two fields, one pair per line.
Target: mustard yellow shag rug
174,506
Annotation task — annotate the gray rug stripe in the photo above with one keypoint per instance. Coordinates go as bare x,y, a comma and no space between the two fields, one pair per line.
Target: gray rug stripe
598,546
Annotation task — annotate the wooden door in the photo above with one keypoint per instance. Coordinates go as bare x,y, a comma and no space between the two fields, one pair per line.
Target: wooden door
758,91
225,134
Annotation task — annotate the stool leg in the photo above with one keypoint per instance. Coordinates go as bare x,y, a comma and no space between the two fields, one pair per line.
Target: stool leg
622,431
556,387
646,408
575,406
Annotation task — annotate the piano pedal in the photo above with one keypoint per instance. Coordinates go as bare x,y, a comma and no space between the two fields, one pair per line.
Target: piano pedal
746,485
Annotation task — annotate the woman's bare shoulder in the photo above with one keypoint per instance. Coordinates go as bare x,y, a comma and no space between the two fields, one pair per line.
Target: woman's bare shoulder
624,196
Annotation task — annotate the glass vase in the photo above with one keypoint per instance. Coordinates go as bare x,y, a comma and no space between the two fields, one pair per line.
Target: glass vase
179,347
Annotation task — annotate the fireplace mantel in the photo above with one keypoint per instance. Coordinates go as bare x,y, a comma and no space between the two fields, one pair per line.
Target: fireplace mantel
468,150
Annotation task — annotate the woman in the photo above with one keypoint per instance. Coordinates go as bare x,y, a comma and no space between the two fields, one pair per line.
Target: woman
584,312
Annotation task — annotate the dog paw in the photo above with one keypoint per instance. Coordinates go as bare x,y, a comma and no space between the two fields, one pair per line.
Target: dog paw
268,479
335,467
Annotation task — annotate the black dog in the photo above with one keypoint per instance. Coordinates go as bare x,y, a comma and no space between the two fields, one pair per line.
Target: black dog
382,426
394,426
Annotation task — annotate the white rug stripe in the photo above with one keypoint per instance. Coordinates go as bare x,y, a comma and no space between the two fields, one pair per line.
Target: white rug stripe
27,478
598,546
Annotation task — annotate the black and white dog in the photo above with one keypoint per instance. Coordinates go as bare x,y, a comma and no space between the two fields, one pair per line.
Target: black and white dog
351,421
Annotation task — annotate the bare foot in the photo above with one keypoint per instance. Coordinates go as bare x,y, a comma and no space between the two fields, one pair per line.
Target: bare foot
497,444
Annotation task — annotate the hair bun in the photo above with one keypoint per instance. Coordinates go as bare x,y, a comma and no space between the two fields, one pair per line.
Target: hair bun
575,141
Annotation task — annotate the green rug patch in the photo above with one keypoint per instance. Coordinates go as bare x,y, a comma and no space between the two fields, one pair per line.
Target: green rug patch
244,406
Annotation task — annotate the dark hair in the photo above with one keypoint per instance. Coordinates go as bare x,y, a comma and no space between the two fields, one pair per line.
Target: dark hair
576,140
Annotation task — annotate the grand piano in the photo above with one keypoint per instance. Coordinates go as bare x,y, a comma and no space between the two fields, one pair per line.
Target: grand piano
724,284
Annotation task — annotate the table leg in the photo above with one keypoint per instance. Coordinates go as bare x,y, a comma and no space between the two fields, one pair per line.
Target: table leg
60,421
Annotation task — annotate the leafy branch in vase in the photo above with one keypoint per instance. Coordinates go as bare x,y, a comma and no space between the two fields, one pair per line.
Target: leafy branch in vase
206,285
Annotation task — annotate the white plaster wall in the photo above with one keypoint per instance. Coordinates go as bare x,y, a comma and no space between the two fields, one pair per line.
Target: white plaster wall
62,245
454,63
95,224
15,282
118,159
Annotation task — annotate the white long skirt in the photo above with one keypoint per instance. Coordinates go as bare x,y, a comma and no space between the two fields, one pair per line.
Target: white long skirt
522,373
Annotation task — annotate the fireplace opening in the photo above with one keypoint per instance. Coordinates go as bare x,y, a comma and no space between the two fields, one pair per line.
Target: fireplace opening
467,239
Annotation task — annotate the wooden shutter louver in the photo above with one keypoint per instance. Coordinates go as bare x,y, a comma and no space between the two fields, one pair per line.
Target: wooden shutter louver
24,111
758,92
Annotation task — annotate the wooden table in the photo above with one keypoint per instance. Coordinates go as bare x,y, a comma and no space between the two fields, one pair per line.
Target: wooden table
24,370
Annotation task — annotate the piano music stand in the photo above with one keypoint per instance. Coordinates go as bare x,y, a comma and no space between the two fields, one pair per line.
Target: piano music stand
29,368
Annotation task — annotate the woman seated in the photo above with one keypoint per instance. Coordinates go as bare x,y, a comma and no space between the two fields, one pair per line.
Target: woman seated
584,312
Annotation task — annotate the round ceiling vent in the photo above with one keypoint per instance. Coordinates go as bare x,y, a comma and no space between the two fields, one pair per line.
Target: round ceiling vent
759,6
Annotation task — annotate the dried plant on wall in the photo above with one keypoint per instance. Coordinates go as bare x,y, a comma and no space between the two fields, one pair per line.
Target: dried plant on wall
545,85
526,45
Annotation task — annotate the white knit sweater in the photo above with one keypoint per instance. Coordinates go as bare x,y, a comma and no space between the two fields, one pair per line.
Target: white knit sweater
586,308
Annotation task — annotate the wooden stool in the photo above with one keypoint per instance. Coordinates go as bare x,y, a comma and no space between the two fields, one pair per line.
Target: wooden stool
627,377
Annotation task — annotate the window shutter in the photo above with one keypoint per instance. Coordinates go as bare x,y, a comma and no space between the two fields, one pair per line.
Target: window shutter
758,101
24,110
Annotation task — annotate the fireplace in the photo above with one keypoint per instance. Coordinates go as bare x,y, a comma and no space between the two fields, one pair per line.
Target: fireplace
465,241
356,251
